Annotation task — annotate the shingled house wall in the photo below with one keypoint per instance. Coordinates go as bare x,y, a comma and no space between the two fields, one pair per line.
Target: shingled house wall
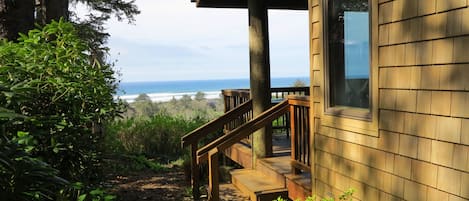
420,149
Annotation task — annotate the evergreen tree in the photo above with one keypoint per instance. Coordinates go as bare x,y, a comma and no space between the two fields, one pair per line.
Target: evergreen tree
16,17
19,17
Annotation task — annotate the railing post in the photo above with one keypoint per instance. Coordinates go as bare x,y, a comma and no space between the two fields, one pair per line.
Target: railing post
293,137
213,177
194,172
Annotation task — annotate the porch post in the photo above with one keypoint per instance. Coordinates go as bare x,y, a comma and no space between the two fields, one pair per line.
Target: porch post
259,73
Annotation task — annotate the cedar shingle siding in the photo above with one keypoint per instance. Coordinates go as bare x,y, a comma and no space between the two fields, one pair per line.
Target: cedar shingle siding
421,151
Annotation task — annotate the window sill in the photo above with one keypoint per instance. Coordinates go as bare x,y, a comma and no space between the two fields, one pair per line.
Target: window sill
357,120
349,112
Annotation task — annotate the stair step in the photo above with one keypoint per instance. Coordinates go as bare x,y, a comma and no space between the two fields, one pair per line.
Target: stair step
240,154
275,168
299,186
228,192
258,186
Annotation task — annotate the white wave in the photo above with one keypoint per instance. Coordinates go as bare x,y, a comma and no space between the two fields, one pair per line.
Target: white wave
165,97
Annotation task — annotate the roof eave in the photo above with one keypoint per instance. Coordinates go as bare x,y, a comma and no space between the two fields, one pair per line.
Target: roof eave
272,4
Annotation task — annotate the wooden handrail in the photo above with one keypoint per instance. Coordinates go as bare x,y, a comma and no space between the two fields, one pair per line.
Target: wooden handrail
210,151
236,92
290,89
298,100
192,139
213,125
244,130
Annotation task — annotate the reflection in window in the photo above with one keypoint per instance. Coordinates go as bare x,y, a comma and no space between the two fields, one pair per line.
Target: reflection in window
348,53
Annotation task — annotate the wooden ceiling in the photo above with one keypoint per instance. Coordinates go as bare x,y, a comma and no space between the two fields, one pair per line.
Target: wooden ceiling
272,4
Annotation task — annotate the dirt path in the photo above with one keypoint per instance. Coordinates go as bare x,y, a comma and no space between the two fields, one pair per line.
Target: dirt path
164,186
148,185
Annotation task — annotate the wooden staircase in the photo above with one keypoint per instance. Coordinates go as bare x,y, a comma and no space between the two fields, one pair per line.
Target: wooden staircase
280,175
272,177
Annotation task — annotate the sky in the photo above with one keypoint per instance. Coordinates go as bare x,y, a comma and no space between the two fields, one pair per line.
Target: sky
174,40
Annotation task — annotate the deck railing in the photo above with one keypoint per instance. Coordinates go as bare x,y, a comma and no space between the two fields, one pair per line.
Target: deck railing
241,124
234,97
298,107
194,138
210,152
300,134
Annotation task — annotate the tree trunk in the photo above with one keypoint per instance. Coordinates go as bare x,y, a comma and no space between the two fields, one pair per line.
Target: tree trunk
49,10
16,17
55,9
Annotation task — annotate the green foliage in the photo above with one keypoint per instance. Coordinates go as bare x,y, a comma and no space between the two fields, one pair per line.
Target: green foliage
120,8
96,195
200,109
49,77
200,96
346,196
91,27
79,192
144,106
156,136
143,98
151,164
23,177
299,83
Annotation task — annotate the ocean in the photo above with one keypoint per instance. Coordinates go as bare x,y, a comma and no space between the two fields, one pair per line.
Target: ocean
160,91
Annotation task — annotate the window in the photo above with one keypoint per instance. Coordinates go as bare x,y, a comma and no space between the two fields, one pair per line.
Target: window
347,57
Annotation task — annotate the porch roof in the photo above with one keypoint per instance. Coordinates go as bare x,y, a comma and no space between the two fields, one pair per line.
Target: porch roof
272,4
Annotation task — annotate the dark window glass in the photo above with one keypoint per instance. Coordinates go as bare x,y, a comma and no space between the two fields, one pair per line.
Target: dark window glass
348,53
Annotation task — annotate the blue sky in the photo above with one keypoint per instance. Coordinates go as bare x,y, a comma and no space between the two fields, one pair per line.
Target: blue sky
174,40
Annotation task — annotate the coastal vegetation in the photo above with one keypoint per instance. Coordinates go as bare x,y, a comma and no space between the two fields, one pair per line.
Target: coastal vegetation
55,100
187,107
154,129
62,131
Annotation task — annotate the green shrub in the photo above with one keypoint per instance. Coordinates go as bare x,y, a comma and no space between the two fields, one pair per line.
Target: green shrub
156,137
346,196
200,108
23,177
62,96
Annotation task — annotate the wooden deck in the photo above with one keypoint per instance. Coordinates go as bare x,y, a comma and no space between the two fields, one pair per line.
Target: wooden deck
272,177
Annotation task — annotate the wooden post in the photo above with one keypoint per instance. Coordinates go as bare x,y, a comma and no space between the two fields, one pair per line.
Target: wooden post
194,172
213,177
260,74
293,137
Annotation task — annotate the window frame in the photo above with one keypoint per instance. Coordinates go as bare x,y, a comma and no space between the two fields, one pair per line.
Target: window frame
361,120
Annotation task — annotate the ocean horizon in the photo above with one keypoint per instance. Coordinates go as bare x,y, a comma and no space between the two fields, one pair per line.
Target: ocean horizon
161,91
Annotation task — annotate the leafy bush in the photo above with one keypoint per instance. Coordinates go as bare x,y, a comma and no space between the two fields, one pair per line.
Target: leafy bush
23,177
49,78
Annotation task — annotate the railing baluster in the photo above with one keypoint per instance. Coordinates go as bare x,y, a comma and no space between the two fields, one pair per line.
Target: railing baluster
301,111
300,134
194,171
293,135
308,138
299,131
213,181
305,133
